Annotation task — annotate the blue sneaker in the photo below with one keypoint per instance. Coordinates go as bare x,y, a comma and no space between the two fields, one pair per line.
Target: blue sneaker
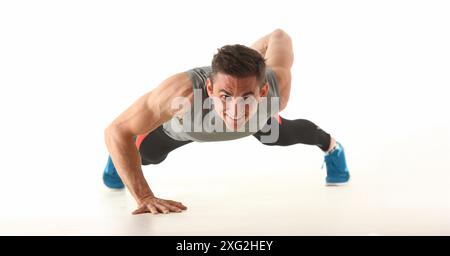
110,176
337,171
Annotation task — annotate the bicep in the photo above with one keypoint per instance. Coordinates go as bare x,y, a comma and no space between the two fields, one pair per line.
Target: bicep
153,108
280,57
279,51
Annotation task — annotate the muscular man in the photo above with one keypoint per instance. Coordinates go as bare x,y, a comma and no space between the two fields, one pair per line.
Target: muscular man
239,95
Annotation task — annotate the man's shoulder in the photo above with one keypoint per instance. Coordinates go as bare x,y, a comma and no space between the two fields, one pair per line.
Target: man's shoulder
177,85
201,72
199,76
283,76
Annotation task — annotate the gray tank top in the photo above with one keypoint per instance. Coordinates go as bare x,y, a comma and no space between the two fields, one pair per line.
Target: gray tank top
201,125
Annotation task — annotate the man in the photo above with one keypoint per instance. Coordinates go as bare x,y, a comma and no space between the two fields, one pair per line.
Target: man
239,95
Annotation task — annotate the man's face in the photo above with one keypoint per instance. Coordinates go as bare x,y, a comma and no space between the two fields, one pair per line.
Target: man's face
235,99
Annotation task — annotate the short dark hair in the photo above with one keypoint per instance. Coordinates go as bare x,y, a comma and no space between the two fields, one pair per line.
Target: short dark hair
239,61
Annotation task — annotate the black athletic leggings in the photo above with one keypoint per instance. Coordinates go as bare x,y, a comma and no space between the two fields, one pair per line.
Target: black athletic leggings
298,131
155,146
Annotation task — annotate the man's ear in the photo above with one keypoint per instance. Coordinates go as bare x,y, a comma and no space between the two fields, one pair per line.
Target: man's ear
209,87
264,90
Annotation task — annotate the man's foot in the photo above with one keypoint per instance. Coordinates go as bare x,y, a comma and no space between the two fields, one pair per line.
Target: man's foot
337,171
110,176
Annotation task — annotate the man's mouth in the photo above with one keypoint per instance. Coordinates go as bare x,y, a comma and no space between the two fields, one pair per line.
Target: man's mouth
234,118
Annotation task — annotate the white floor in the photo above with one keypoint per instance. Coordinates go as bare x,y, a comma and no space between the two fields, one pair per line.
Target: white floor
392,192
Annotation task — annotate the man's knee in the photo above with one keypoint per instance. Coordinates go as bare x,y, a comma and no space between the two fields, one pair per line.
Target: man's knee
145,160
268,136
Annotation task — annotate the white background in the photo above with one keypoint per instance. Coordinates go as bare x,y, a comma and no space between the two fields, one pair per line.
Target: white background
375,74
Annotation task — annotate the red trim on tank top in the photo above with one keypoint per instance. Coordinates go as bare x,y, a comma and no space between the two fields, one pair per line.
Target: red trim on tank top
140,139
278,118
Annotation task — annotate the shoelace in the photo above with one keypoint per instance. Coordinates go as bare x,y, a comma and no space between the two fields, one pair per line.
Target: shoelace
335,148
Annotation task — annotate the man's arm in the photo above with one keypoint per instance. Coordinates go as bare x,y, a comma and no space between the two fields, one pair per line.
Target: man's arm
276,47
146,114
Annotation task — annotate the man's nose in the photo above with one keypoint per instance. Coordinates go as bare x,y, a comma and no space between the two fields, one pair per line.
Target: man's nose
236,106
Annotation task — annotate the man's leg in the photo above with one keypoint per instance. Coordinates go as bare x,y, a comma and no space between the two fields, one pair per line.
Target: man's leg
298,131
302,131
153,149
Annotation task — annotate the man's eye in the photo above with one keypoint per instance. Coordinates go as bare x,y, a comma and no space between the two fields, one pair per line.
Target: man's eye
224,97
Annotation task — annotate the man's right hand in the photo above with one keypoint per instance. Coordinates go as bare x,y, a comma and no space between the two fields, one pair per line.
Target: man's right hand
144,116
156,205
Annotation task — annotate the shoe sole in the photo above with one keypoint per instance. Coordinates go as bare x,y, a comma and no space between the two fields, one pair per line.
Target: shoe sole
111,187
329,184
336,184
